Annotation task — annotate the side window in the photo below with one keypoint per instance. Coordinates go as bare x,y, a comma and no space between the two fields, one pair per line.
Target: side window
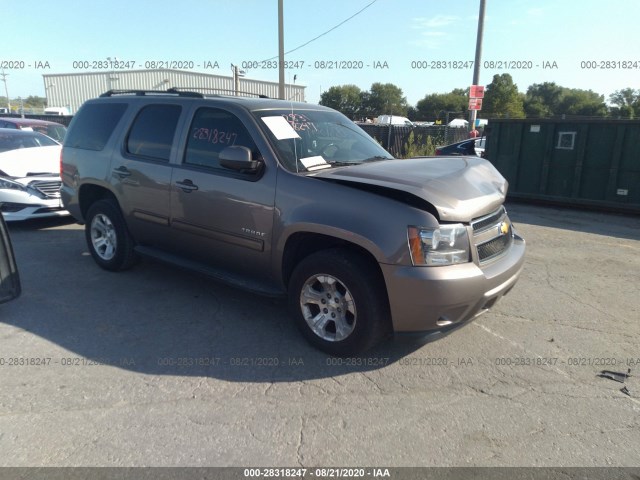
152,132
93,125
212,130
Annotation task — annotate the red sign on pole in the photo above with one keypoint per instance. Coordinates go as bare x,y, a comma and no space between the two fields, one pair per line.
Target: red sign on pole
476,91
475,104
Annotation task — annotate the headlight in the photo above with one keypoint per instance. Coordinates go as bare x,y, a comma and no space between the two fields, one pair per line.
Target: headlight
7,184
445,245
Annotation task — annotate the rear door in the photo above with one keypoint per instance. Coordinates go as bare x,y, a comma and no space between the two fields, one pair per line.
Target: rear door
9,278
141,172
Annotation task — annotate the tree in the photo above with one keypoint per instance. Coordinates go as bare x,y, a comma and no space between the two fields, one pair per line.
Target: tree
33,101
345,98
548,99
582,102
542,99
501,98
431,106
384,99
626,103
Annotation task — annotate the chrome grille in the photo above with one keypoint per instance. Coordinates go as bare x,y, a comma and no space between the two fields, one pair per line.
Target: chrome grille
50,189
489,235
494,247
482,223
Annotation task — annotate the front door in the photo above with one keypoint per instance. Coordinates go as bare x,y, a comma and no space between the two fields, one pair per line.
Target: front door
221,216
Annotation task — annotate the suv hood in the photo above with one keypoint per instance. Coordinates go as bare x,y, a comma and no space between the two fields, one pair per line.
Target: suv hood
31,161
460,188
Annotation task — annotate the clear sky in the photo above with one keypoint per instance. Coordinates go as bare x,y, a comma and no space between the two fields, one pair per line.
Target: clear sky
580,41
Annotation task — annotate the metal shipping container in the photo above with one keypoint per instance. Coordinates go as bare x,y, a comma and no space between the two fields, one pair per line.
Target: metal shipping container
569,162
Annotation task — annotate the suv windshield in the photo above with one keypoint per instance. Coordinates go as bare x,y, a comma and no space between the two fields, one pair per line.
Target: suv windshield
308,140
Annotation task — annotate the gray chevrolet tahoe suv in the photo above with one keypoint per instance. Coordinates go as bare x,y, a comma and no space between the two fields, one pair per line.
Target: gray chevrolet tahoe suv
292,199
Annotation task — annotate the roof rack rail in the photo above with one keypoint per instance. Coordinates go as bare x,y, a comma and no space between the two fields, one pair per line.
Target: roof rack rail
181,90
111,93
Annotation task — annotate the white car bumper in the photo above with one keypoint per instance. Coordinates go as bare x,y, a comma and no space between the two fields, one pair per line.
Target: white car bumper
18,205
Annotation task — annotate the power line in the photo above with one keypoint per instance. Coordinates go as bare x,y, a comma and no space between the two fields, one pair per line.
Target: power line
328,31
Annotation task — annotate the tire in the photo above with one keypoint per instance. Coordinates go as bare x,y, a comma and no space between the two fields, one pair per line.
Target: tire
108,238
338,300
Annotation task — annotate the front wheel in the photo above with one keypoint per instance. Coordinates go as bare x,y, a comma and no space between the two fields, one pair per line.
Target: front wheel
338,300
108,239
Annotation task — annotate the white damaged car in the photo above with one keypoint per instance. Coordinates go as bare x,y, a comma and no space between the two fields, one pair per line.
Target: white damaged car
29,175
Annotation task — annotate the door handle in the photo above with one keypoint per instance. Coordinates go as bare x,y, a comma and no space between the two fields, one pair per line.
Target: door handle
122,171
186,185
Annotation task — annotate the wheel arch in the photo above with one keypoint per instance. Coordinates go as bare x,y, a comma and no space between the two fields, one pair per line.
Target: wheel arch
301,244
90,193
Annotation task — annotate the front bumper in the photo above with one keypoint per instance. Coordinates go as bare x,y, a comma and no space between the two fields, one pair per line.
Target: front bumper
432,300
23,206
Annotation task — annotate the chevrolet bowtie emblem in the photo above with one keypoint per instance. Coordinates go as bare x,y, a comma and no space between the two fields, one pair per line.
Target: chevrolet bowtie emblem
504,228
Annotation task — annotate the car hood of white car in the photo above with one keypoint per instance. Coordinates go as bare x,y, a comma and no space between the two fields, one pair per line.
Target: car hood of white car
26,162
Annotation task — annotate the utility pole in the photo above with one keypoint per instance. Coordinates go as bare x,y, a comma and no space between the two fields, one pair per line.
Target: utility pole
6,91
237,73
280,50
476,65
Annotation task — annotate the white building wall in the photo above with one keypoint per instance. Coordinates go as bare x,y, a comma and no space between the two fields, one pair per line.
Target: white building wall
73,89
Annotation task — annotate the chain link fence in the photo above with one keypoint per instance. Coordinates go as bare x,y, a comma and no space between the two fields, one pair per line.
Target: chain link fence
406,142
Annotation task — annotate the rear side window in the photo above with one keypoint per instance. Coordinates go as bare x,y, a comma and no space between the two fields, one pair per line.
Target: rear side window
57,132
152,132
93,125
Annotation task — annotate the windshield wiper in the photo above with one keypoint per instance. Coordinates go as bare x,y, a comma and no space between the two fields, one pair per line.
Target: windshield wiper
338,163
376,158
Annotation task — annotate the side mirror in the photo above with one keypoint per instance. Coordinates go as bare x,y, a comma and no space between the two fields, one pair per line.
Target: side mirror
9,278
239,158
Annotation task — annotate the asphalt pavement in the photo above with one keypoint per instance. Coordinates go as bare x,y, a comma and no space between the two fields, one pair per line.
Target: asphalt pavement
161,367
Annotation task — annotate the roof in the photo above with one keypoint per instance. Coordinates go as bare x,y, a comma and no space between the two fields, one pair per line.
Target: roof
458,122
20,133
250,103
28,121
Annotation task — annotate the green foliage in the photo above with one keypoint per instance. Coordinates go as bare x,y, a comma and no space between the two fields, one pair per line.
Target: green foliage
33,101
412,113
418,146
347,99
626,103
548,99
583,102
432,106
502,99
384,99
542,99
381,99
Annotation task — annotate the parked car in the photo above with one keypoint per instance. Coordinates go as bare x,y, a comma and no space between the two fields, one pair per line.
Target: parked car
9,278
16,139
291,199
29,175
394,120
54,130
472,146
56,111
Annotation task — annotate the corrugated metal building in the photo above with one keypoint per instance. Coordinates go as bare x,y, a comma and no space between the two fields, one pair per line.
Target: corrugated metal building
72,89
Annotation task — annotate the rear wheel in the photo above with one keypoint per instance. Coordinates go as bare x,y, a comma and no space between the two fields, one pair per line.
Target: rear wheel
108,239
339,302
